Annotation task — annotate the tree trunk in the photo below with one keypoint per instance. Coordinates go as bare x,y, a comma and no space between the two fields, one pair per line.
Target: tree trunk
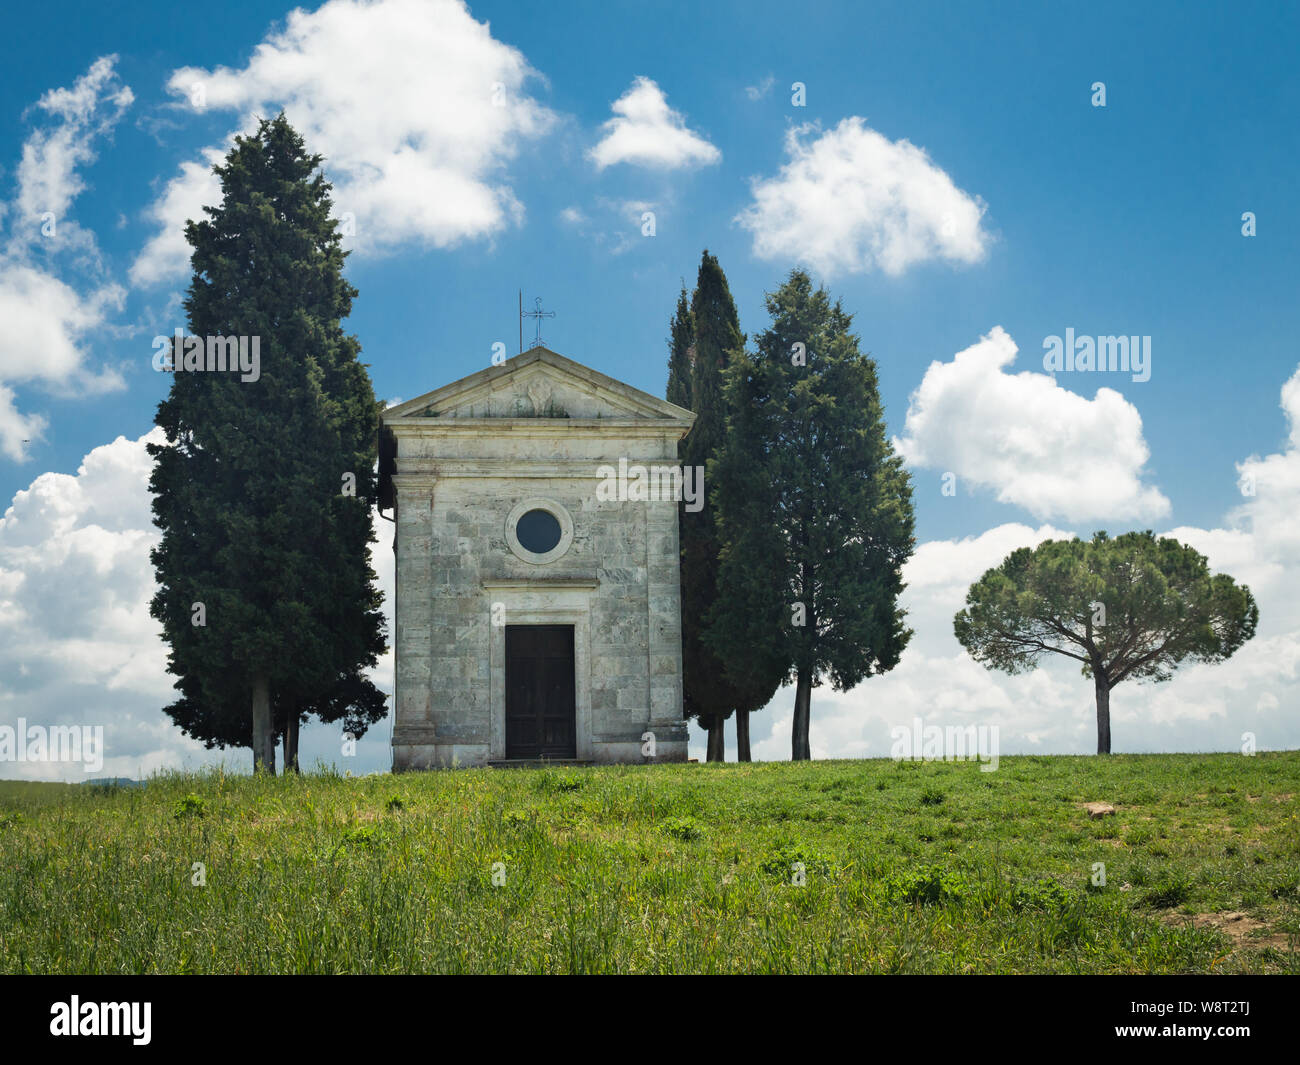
263,733
1103,712
800,750
717,740
742,736
291,743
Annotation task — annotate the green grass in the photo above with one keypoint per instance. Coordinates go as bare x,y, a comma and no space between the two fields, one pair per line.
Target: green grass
906,867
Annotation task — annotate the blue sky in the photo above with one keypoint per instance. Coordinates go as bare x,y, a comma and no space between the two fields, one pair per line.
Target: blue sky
1122,219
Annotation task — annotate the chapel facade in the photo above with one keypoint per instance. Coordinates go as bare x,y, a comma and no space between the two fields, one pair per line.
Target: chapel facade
536,617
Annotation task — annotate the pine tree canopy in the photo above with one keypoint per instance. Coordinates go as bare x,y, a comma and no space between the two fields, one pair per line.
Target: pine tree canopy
1133,606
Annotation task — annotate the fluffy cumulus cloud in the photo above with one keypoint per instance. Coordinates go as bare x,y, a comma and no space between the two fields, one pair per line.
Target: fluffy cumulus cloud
1051,710
48,325
1032,441
415,106
850,200
1270,486
55,297
645,131
166,254
77,644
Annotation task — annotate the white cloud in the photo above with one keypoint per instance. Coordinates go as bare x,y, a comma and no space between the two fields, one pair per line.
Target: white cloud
645,131
1036,444
940,571
16,428
1258,689
77,643
850,200
1270,512
416,108
48,325
49,176
757,92
167,253
55,298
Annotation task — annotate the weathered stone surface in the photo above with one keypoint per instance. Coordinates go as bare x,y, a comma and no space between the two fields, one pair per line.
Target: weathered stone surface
468,455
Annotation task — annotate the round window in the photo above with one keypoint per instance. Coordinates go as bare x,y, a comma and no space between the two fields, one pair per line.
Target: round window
538,531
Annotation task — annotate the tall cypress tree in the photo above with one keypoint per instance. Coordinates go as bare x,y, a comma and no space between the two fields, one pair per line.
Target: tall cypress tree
712,692
815,509
681,344
264,486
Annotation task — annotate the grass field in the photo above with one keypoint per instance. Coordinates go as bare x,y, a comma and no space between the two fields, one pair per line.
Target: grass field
907,867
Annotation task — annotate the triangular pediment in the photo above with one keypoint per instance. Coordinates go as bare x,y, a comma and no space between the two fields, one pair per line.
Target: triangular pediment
539,383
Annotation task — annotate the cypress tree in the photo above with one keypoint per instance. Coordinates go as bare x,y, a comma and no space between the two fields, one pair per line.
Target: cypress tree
815,509
713,692
681,344
263,488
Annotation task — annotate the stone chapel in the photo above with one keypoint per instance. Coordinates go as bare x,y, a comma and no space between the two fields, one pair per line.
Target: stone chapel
536,618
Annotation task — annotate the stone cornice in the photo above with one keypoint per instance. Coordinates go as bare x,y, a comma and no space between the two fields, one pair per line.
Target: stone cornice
415,479
426,471
619,427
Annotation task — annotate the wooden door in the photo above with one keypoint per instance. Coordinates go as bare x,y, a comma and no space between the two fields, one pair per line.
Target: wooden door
541,709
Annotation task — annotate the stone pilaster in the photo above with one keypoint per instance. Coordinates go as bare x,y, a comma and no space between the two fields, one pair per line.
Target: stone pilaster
663,592
413,619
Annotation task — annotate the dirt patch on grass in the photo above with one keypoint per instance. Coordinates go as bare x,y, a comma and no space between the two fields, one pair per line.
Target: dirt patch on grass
1236,926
